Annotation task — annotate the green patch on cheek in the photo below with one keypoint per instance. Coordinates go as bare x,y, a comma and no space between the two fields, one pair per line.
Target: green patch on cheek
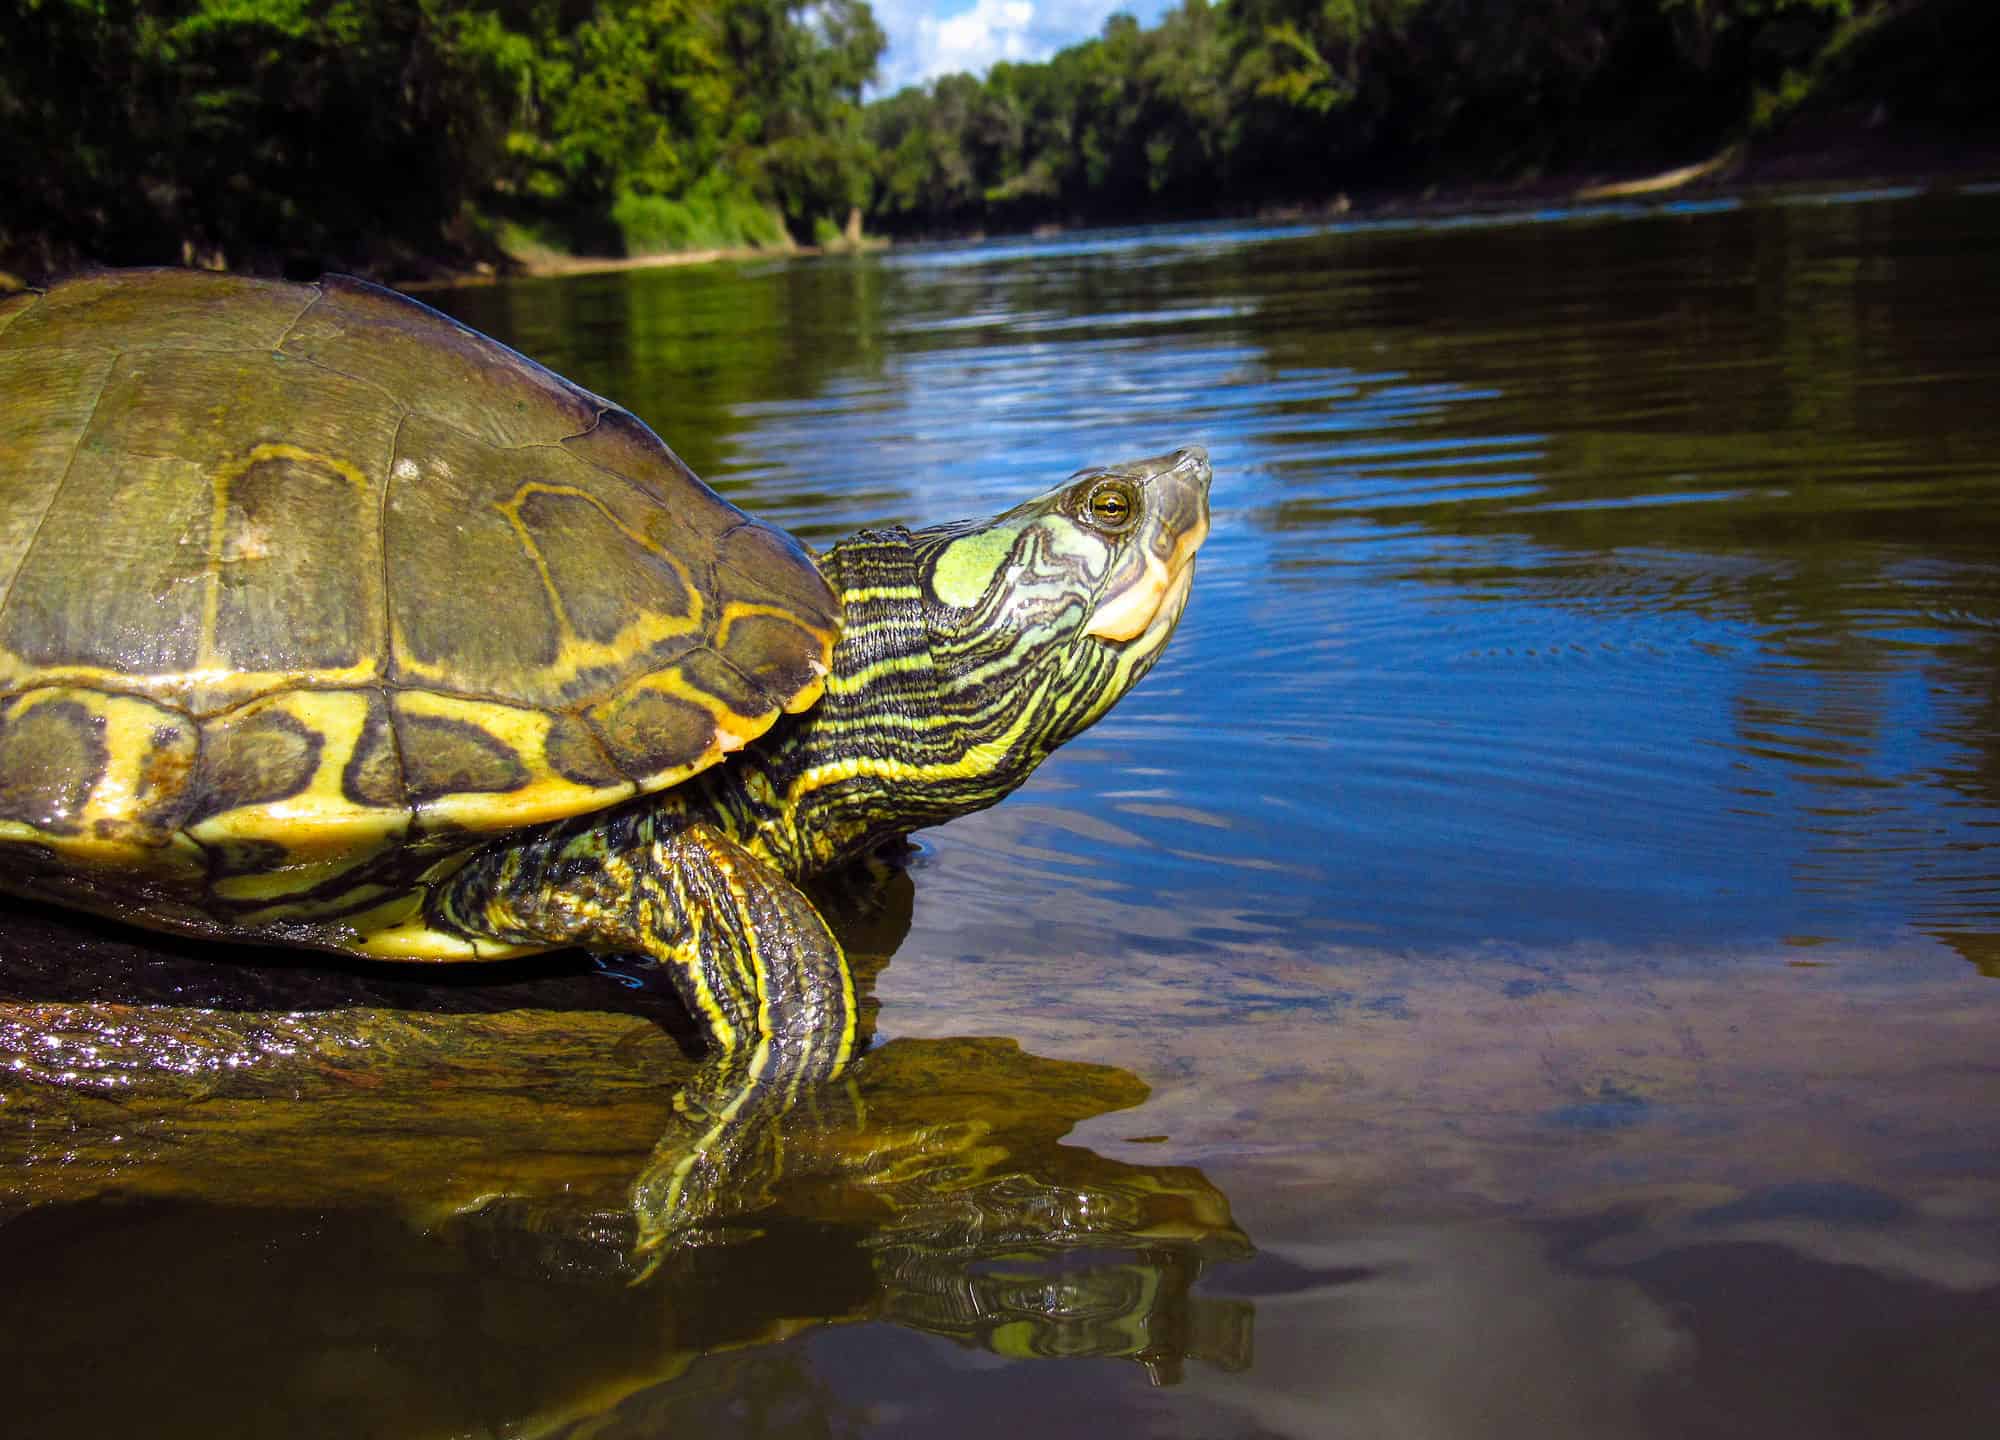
966,569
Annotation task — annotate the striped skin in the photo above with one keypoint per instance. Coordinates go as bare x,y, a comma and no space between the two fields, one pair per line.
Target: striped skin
968,654
750,956
966,658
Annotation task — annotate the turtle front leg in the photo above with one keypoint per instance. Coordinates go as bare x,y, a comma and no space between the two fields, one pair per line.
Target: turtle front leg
748,953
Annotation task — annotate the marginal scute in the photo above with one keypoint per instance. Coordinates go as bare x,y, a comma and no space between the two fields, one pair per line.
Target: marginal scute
743,707
574,753
480,765
165,794
52,756
770,647
656,729
106,777
255,757
277,769
448,757
758,564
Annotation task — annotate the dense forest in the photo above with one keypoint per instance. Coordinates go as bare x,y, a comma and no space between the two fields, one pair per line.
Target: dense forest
377,133
1243,105
398,135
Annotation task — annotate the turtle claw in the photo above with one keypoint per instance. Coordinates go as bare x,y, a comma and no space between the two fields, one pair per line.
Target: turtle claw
651,1252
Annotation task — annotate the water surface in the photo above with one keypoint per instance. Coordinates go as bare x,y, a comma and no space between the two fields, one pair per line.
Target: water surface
1526,962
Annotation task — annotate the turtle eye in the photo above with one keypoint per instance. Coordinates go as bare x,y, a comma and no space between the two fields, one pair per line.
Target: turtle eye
1111,507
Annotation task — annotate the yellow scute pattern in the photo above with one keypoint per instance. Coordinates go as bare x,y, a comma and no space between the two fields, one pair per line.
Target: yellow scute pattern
100,779
449,741
319,823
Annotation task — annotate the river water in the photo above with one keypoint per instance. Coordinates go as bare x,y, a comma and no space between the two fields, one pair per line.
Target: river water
1527,962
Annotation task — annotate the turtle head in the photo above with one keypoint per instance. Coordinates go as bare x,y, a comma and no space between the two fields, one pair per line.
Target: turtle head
1049,613
970,651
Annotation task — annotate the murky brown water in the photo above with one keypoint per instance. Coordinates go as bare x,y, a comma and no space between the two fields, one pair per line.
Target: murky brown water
1526,963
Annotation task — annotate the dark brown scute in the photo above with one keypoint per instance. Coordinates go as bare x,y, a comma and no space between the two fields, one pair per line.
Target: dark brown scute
253,759
715,676
166,788
299,575
759,565
573,753
452,757
767,650
648,732
470,610
52,756
605,579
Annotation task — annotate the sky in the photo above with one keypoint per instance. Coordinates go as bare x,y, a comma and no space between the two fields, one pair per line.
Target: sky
928,38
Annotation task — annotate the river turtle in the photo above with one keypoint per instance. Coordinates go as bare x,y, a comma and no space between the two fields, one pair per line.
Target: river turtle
328,621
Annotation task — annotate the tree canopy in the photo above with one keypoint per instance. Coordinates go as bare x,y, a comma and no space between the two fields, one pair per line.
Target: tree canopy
386,134
291,132
1232,106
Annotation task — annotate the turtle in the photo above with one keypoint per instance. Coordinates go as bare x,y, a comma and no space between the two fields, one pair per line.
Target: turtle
330,622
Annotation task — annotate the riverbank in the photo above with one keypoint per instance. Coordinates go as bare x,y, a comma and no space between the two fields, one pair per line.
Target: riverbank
550,264
1829,161
1801,161
542,264
1792,166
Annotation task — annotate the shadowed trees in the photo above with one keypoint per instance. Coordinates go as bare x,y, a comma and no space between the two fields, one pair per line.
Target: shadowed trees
386,134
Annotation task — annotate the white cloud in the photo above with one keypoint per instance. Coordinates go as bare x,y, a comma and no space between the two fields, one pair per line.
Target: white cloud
925,43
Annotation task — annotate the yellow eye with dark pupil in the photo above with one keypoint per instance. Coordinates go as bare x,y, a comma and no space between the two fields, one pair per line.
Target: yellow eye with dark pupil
1111,507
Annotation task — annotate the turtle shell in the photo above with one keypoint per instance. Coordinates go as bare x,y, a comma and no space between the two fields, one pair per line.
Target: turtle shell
292,575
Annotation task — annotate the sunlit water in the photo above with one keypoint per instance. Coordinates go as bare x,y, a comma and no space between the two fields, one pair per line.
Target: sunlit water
1551,886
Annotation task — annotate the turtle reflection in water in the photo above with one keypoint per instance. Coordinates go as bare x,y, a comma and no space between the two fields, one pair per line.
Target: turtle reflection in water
288,1181
329,622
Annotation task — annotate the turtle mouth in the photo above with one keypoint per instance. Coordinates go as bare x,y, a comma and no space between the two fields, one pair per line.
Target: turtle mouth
1160,591
1173,602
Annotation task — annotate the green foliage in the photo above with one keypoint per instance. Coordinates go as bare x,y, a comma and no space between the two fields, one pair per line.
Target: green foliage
1303,80
711,216
375,133
298,134
1250,103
